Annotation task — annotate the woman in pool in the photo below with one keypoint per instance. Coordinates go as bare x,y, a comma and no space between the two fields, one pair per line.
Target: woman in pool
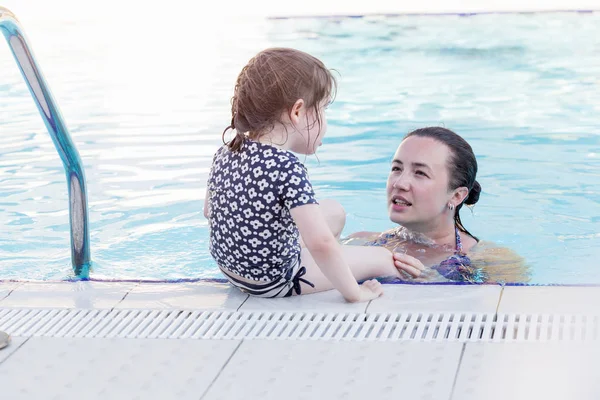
432,176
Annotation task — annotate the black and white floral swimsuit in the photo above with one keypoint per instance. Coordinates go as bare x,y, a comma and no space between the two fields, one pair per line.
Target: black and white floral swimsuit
252,233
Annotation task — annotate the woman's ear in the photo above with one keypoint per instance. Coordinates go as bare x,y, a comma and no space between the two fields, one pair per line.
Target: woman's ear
460,194
296,111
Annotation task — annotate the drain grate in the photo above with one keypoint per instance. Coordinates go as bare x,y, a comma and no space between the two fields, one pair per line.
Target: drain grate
416,326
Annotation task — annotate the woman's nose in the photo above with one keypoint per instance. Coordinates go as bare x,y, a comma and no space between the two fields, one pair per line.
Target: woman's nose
401,183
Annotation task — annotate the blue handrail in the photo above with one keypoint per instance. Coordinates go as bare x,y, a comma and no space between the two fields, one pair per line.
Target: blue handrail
78,211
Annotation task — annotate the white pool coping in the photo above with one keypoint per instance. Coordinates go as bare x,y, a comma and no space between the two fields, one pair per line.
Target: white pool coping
222,296
51,366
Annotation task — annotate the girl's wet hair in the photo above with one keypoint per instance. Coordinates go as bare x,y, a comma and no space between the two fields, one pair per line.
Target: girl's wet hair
270,84
462,166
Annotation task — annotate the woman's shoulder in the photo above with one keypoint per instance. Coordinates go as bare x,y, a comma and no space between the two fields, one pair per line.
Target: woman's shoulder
385,238
482,246
468,242
501,263
492,251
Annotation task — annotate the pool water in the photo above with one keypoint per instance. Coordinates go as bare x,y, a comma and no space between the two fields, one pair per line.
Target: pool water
146,110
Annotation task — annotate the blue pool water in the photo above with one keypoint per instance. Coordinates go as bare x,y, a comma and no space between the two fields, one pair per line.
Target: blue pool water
146,111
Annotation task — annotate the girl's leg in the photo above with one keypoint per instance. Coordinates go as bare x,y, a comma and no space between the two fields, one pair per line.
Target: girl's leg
335,216
365,263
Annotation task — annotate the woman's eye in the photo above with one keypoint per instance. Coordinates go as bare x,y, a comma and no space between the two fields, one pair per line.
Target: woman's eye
394,169
421,173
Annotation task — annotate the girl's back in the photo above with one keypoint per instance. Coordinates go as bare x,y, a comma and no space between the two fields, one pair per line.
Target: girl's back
252,191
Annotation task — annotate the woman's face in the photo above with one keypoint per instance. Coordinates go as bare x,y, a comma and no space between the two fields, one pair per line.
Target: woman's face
417,186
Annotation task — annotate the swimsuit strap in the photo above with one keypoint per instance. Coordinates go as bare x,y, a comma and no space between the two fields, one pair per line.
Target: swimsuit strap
459,248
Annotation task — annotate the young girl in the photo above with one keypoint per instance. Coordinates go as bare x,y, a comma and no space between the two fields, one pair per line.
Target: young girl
268,233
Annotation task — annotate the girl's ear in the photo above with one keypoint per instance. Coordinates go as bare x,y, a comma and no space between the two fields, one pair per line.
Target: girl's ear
296,111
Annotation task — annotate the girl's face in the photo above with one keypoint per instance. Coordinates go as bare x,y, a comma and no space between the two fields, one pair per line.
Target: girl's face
417,186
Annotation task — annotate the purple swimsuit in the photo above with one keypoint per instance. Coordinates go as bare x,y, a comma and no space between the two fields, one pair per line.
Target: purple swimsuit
457,267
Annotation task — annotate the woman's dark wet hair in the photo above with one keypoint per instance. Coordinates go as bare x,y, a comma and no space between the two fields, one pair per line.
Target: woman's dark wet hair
462,166
270,84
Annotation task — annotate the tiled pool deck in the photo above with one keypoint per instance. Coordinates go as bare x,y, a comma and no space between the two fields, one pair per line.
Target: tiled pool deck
43,367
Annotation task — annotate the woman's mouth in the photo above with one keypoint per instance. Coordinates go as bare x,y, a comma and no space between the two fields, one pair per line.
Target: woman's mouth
399,203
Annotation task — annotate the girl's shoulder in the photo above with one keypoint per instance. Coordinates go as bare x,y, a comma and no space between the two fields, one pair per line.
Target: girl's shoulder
220,151
266,151
272,151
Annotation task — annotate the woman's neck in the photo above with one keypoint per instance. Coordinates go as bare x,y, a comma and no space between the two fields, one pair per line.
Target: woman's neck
441,234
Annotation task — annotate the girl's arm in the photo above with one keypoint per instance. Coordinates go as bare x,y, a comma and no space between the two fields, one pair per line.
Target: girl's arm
327,253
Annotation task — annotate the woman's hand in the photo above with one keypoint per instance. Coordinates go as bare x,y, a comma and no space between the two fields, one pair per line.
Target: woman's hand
409,264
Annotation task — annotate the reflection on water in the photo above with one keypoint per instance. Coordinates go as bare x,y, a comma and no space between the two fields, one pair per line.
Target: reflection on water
146,111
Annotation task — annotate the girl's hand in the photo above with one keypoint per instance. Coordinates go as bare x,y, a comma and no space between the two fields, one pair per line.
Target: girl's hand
409,264
370,290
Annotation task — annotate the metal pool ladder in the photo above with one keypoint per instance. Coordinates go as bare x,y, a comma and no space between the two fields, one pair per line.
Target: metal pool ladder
78,212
